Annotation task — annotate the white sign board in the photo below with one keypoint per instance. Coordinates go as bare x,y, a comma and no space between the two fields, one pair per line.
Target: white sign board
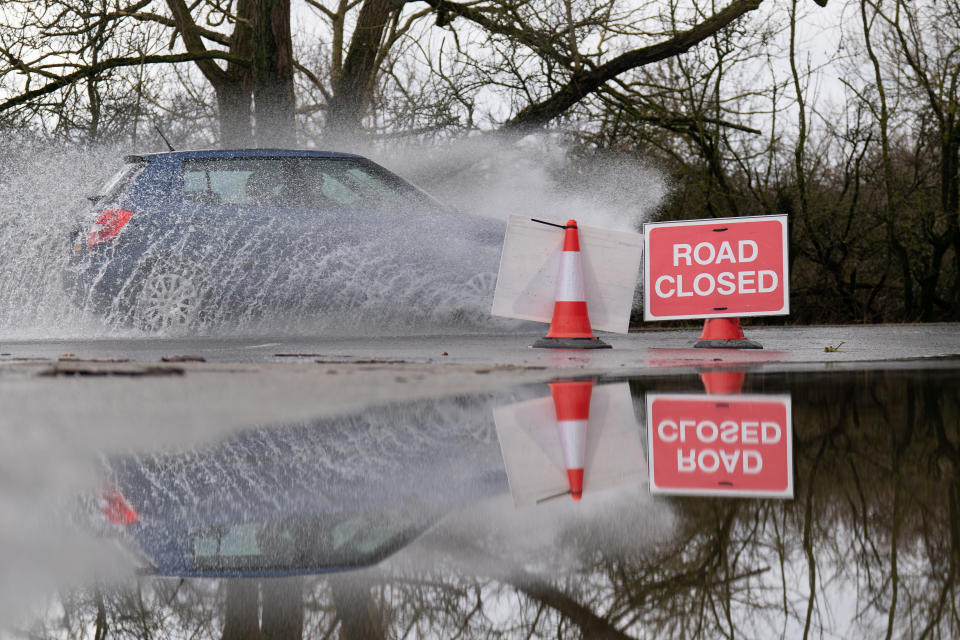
533,453
530,264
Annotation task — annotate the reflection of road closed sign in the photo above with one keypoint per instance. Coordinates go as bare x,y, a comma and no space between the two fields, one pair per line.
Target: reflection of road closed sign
720,445
728,267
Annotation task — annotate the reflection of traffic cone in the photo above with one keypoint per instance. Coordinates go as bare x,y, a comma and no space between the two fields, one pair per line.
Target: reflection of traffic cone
570,326
723,382
724,333
572,402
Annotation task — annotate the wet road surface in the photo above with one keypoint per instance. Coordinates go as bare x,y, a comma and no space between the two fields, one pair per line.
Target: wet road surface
787,345
468,486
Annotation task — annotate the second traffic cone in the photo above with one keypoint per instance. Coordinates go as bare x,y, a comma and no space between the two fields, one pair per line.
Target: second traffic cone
572,403
570,326
724,333
723,382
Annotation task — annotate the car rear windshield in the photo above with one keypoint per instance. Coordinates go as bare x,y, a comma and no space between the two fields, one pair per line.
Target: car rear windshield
119,181
316,183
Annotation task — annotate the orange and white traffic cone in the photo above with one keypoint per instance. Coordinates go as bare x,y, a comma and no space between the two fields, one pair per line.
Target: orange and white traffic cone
572,403
570,326
724,333
723,382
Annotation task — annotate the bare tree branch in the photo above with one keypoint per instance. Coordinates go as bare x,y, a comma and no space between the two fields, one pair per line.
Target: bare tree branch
146,16
193,41
114,63
586,82
542,45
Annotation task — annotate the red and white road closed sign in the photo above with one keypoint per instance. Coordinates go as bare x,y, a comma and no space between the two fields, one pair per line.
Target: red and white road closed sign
720,445
726,267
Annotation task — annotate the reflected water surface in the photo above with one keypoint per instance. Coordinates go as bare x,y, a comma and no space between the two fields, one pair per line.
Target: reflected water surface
529,514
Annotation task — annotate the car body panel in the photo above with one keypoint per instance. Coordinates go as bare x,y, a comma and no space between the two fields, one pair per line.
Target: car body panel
322,495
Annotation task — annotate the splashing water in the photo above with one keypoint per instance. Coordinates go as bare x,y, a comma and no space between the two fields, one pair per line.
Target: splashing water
41,193
538,176
387,284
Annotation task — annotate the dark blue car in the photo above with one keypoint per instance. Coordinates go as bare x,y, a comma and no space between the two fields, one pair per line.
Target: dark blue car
324,495
182,238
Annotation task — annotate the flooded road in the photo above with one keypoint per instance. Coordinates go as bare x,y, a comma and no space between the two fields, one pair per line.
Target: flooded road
471,487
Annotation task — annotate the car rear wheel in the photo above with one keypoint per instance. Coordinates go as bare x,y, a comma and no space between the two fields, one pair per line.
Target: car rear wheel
482,285
467,303
169,299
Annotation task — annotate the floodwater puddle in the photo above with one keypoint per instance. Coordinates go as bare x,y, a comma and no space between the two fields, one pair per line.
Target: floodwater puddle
727,502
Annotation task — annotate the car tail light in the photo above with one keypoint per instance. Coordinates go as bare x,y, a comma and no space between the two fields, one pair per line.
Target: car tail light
108,225
116,507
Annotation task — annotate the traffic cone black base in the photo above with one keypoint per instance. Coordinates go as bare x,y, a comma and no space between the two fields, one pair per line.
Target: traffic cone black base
570,343
728,344
724,333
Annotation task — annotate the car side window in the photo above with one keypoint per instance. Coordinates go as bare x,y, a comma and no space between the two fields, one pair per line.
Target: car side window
287,182
366,183
217,186
245,181
229,185
351,185
335,190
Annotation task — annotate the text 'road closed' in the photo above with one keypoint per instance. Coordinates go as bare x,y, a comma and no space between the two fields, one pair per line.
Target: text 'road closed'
720,445
730,267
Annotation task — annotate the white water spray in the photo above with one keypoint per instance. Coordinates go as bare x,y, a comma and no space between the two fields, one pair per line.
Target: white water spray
377,286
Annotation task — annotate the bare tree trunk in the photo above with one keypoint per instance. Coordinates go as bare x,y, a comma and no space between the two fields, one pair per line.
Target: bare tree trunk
282,609
941,99
232,87
273,74
950,180
94,97
235,92
241,620
233,108
93,94
100,633
358,614
353,92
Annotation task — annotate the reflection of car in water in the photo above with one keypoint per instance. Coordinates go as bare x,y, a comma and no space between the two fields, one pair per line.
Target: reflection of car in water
302,543
177,234
325,495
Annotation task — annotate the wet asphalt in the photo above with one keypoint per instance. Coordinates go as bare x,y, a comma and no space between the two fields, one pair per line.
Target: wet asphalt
636,352
124,387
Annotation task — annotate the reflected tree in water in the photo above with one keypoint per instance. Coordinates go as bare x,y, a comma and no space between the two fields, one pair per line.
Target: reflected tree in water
870,547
